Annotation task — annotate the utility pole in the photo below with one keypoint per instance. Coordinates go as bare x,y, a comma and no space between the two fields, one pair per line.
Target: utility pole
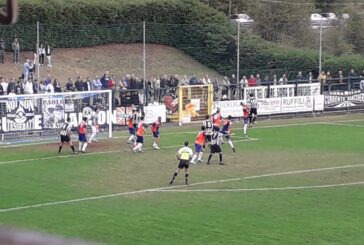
230,9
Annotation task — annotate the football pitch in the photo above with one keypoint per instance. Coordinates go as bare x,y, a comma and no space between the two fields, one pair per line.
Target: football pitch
293,181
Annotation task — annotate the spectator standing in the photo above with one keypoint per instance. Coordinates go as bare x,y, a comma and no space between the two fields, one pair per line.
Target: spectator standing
87,85
28,87
352,78
4,84
252,82
112,84
122,84
322,78
2,51
275,80
11,85
184,81
1,86
341,77
194,80
257,78
69,85
328,77
31,69
96,84
233,83
41,53
15,46
26,68
206,80
265,81
19,87
310,77
299,77
42,87
215,84
49,87
79,84
283,80
105,80
243,82
48,52
57,86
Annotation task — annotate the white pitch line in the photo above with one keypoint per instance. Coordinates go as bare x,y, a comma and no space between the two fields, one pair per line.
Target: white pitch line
267,188
104,152
342,124
5,210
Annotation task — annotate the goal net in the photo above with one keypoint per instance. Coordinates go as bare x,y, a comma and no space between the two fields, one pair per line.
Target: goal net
194,102
26,118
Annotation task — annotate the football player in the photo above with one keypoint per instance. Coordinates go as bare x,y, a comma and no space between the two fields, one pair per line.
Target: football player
82,130
200,141
246,113
226,131
216,118
65,133
140,136
156,134
94,125
216,140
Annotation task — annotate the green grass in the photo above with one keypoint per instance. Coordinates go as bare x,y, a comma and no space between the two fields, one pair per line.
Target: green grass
311,216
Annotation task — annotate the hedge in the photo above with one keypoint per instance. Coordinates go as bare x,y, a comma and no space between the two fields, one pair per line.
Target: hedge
188,25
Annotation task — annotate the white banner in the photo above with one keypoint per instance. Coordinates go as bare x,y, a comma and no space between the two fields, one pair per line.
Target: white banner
269,106
297,104
319,102
229,107
153,112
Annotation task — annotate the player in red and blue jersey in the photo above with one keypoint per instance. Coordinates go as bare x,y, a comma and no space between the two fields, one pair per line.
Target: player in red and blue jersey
82,131
226,131
140,136
156,134
200,141
216,118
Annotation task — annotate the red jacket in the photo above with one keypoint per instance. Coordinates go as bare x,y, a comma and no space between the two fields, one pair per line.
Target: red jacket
252,82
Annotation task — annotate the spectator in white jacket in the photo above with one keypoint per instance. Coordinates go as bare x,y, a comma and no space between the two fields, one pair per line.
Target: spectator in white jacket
49,87
26,69
28,87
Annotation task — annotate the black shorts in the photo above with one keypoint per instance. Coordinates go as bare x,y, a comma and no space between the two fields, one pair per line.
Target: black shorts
65,139
253,111
208,138
183,164
215,149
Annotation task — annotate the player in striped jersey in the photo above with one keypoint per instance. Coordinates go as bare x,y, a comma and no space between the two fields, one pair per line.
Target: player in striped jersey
208,128
140,136
82,130
200,141
156,134
94,125
246,112
132,125
184,156
65,133
253,104
226,131
216,140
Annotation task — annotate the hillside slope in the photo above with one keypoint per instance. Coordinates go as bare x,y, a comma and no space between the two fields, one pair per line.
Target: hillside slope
119,59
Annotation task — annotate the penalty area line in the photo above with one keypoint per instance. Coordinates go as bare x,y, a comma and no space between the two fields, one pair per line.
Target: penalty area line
6,210
267,188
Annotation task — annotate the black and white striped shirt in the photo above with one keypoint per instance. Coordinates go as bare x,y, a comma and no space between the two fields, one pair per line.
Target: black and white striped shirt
253,103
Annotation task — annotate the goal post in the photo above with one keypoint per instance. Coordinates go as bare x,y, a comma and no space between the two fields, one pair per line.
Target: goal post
39,116
194,102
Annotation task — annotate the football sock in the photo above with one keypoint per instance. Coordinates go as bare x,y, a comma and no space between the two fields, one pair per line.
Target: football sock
80,146
59,150
231,144
200,156
208,161
92,137
194,157
84,146
73,148
186,178
174,176
131,138
220,156
245,128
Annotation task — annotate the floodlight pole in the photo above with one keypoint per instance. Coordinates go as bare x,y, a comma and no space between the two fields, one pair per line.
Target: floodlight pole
320,50
37,59
144,67
230,9
238,63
